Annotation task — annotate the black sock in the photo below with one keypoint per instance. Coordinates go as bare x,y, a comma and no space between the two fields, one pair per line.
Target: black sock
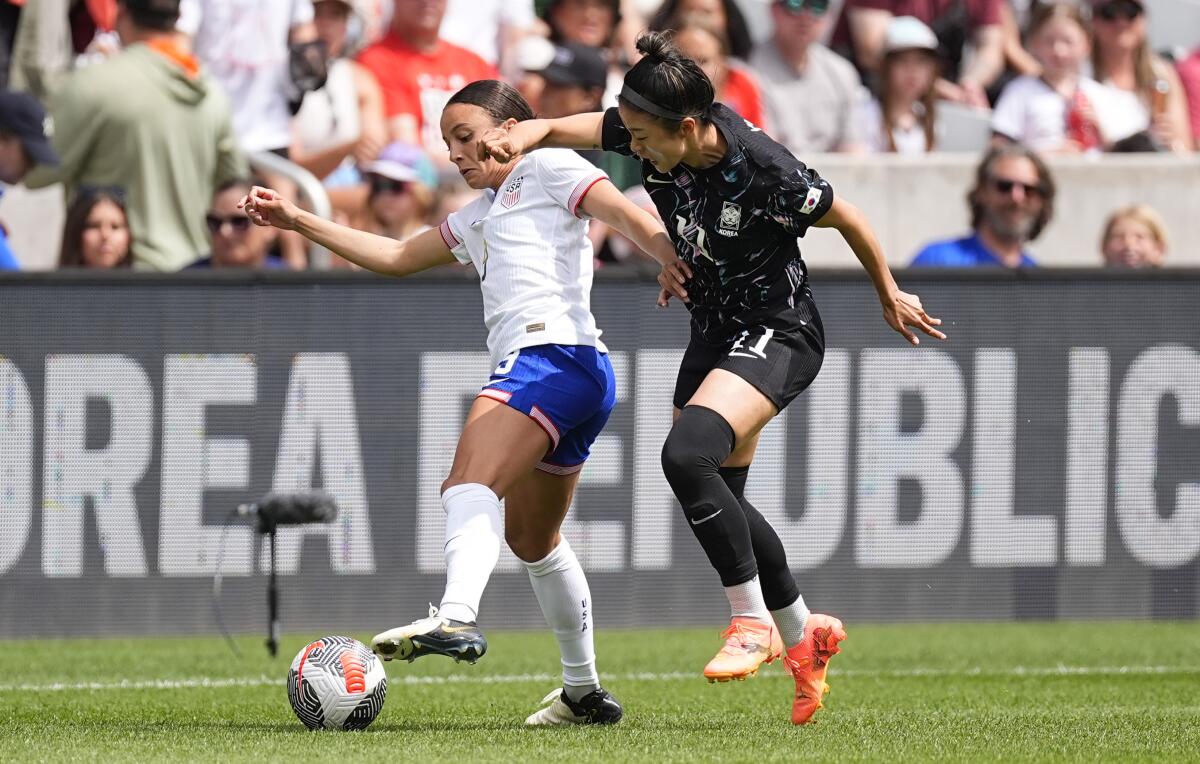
698,442
778,584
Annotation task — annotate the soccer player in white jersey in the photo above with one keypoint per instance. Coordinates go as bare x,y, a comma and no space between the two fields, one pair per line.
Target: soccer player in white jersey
529,430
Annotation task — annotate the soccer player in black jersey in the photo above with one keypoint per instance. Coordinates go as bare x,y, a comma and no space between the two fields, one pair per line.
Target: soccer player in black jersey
734,202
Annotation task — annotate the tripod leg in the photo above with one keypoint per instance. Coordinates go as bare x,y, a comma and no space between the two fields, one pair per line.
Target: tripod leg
272,604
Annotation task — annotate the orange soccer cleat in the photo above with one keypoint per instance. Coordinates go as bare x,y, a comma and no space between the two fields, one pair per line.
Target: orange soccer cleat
808,662
749,643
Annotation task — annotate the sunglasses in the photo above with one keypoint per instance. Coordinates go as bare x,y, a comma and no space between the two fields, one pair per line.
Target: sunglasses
796,7
1123,10
1006,186
388,186
237,223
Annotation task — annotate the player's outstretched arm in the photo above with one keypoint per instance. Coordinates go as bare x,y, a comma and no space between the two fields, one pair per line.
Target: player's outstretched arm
578,131
608,205
266,207
900,309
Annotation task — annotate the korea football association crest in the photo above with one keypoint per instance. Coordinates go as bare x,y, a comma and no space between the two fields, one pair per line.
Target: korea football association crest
731,219
512,193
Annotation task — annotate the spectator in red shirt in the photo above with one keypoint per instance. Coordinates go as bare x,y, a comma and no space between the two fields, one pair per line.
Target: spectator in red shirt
733,83
955,22
1189,77
418,72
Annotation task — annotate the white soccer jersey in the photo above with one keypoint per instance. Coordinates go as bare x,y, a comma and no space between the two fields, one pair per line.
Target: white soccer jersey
529,244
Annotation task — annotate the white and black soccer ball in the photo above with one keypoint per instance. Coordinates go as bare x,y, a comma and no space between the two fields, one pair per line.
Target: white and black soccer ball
337,683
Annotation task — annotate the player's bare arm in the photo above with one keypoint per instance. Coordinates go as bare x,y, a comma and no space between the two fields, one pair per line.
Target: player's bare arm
900,309
578,131
608,205
380,254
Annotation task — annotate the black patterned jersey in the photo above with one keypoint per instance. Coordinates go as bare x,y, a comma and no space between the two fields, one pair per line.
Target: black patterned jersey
735,223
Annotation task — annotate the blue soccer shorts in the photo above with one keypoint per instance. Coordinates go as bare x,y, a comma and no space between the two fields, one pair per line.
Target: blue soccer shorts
568,390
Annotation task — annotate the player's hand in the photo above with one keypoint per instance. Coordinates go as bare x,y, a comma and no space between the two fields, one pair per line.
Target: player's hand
973,94
903,310
672,278
1163,130
499,144
266,207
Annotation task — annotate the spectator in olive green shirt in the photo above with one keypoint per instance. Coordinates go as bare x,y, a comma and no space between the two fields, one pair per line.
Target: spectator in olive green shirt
147,121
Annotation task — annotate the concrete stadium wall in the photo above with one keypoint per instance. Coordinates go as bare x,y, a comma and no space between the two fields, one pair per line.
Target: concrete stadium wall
913,201
909,201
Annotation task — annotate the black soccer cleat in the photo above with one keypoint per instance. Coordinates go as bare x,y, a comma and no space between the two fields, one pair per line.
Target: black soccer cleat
434,635
597,707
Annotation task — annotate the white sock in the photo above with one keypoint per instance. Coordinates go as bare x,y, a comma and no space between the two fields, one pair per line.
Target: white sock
790,622
747,600
472,548
562,591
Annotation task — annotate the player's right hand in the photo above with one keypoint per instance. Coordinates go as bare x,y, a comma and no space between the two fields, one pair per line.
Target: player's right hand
265,207
498,144
672,278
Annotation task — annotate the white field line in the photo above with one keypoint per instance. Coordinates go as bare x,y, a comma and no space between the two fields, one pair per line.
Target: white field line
674,676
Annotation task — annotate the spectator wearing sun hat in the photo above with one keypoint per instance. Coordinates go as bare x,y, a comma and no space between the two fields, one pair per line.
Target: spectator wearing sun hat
401,186
901,118
24,143
961,25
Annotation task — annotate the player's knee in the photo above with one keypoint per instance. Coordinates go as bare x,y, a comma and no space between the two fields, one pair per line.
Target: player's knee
530,544
451,482
699,441
456,480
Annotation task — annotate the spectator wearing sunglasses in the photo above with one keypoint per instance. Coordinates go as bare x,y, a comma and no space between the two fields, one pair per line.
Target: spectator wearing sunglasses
235,242
1144,84
1011,203
811,93
401,185
151,122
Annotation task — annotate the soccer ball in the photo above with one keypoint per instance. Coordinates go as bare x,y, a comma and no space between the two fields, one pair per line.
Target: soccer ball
337,683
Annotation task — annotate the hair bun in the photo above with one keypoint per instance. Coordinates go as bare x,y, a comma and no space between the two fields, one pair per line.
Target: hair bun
658,47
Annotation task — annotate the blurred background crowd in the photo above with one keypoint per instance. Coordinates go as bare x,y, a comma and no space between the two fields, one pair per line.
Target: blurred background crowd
156,116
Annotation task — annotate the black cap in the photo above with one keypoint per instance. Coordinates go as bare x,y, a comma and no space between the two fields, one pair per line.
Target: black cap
22,116
576,65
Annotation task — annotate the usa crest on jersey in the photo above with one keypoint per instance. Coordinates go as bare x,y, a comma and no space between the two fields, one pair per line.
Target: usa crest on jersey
512,193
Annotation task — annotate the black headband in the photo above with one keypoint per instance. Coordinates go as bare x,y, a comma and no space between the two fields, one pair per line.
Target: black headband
644,104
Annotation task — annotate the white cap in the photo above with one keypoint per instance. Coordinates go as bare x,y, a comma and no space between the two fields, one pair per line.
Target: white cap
909,33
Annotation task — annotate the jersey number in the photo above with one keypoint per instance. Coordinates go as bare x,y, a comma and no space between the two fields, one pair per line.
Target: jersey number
681,227
506,365
757,350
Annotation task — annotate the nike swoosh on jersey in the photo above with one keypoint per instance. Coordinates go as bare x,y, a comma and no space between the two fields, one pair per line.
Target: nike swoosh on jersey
652,179
704,519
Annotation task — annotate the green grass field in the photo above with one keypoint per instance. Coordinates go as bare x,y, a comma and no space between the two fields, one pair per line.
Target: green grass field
1002,692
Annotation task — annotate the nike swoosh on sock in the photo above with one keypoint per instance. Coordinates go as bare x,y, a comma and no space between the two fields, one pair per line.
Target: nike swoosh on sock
703,519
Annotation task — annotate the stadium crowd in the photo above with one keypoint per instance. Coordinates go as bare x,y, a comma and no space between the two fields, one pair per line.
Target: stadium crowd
147,110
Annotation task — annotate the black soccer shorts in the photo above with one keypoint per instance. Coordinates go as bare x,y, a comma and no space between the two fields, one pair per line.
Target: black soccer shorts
780,356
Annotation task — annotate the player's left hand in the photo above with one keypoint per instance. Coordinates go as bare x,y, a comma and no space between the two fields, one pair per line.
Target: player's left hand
902,310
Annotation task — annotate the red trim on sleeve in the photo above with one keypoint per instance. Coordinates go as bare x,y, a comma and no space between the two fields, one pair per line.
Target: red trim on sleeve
581,191
447,235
